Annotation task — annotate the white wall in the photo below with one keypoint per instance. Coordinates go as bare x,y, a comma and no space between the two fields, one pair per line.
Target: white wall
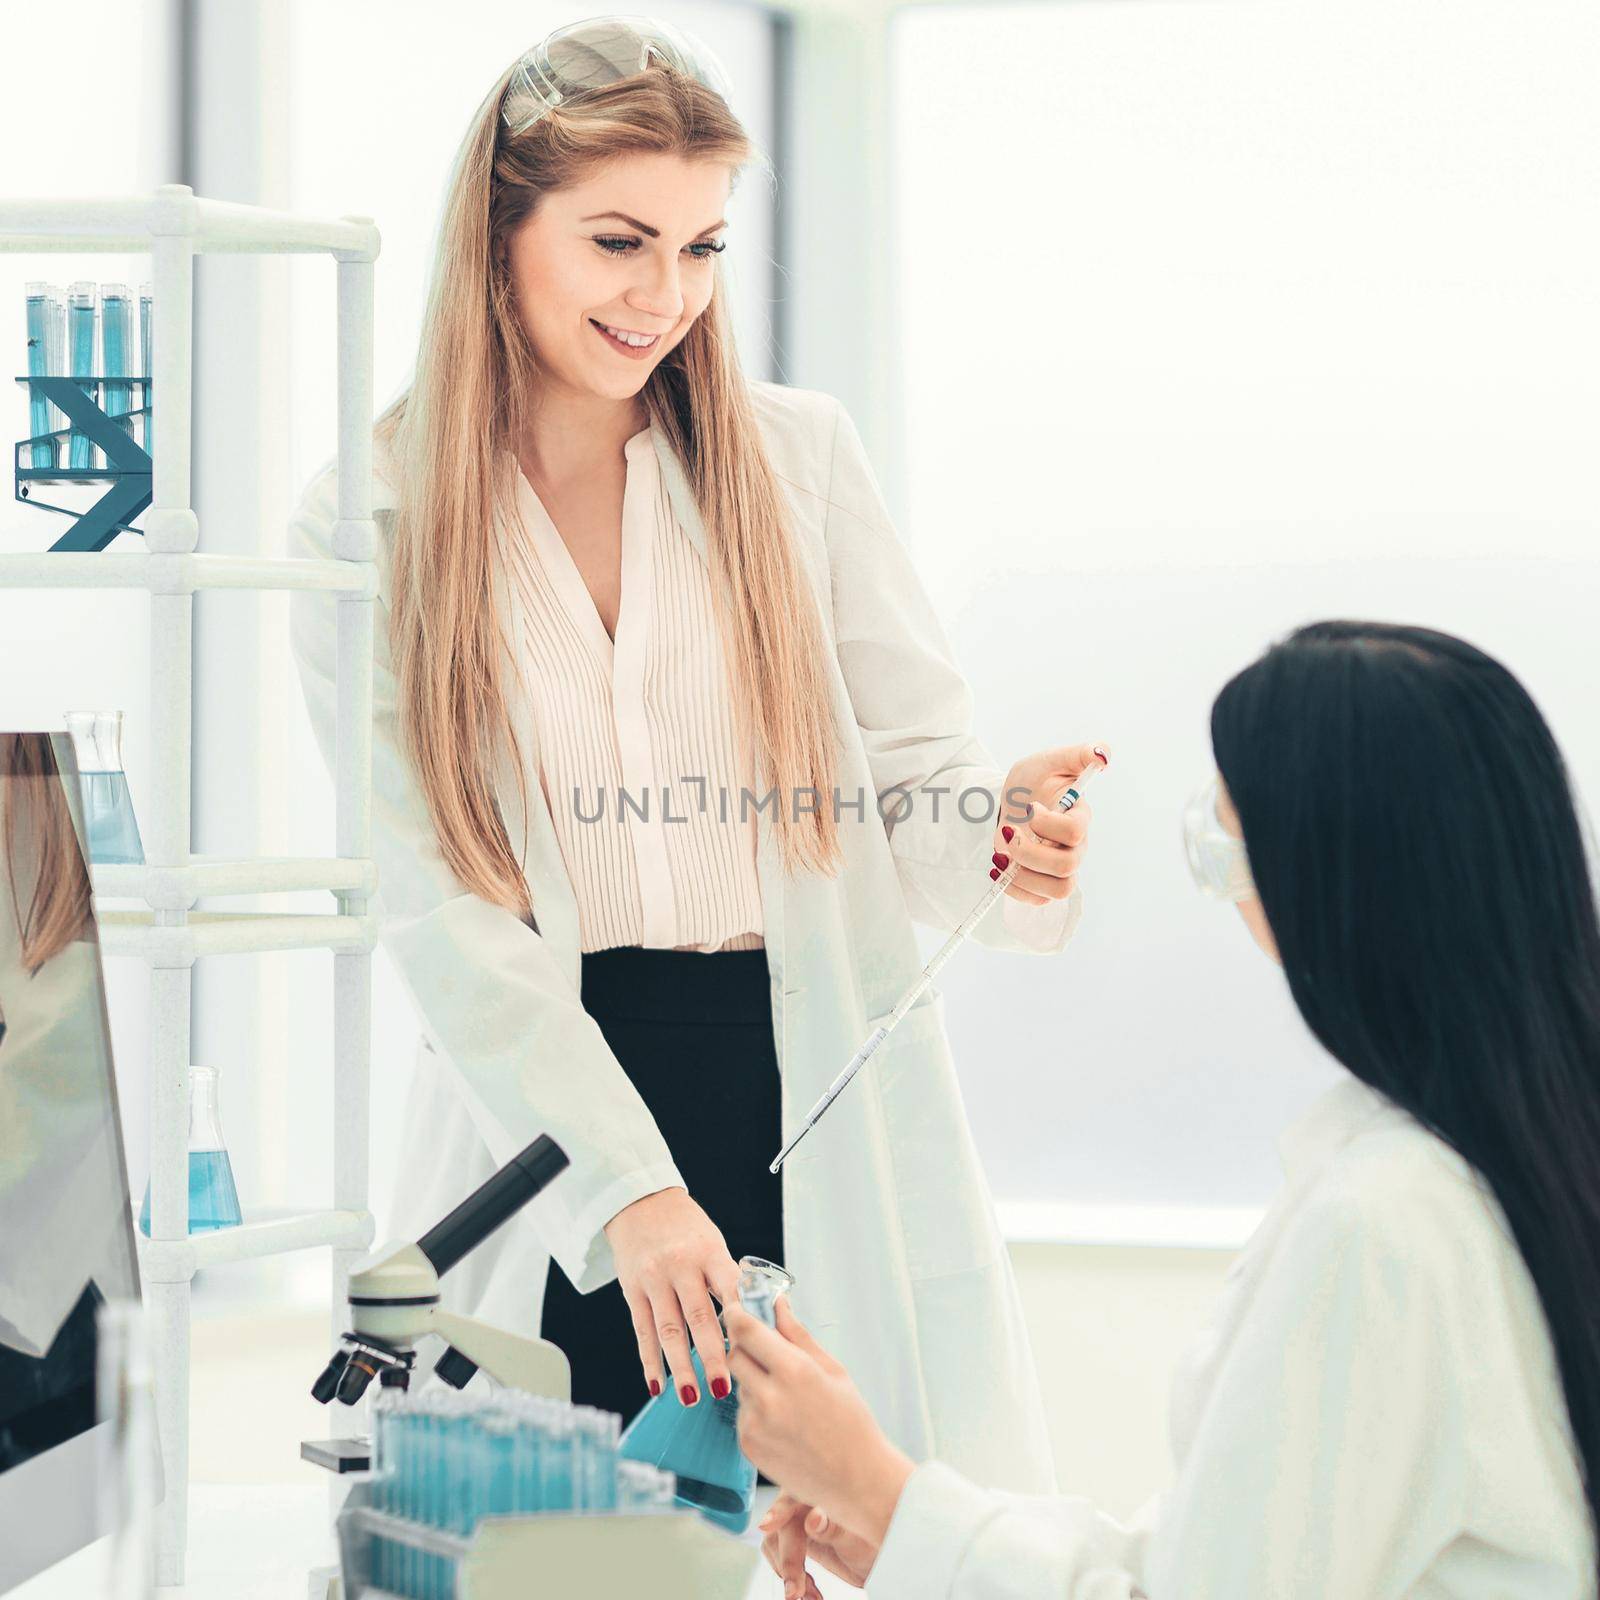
1218,318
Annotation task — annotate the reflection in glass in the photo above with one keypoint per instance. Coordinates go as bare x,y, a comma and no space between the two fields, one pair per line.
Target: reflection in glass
65,1240
107,805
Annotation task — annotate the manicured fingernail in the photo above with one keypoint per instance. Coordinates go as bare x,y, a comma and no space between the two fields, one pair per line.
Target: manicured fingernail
719,1388
816,1523
655,1386
994,872
1105,760
1008,834
1000,861
690,1394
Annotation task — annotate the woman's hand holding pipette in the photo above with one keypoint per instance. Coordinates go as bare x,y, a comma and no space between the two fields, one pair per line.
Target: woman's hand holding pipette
1044,845
1055,852
671,1258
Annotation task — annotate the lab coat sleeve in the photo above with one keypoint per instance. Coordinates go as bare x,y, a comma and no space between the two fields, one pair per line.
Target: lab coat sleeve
914,712
1313,1469
949,1538
489,992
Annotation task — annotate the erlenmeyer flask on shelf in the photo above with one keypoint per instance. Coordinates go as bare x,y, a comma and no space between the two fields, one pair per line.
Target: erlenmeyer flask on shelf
108,819
213,1199
699,1444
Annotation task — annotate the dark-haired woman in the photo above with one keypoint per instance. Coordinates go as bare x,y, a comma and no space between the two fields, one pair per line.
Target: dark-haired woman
1399,1393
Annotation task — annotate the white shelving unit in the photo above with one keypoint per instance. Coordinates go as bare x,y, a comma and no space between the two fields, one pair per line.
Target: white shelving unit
174,225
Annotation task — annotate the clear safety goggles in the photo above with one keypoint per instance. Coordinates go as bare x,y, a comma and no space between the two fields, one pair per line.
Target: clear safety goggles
588,55
1218,860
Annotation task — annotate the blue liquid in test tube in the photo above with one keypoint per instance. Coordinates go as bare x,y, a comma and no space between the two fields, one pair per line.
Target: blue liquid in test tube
146,339
41,341
116,350
80,352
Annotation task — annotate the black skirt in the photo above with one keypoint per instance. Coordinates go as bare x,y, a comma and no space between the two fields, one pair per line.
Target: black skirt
693,1032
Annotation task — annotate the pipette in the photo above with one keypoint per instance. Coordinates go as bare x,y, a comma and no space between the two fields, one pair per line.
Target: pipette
1069,798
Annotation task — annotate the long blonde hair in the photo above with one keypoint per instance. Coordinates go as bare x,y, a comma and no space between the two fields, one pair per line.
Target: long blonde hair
37,826
451,435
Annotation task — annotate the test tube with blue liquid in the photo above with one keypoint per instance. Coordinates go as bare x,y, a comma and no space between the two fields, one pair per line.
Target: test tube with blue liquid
116,351
146,340
41,351
81,306
58,362
213,1198
446,1460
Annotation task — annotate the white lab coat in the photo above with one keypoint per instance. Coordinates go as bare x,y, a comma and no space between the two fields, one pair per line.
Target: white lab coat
1372,1413
888,1221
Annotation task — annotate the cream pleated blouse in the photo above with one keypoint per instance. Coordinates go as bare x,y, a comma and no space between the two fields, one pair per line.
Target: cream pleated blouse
638,755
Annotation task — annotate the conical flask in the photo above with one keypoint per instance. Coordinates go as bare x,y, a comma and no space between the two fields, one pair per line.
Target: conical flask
699,1444
108,818
213,1199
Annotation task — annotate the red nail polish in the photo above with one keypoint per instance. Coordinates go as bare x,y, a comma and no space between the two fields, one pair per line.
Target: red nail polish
1008,834
690,1394
1000,861
994,872
655,1386
719,1388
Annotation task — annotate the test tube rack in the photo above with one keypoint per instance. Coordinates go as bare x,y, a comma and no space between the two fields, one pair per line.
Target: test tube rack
127,469
666,1555
175,225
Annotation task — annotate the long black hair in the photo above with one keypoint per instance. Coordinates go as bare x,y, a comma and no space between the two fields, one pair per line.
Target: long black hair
1418,854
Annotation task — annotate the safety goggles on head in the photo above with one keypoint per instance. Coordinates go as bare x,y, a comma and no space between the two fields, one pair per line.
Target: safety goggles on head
1217,859
589,55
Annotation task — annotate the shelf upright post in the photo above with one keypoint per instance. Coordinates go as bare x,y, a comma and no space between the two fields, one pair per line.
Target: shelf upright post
353,540
171,529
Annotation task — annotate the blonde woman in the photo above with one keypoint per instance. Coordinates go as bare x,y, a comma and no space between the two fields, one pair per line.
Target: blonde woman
652,653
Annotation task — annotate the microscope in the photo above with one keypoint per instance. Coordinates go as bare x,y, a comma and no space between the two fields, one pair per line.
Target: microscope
394,1302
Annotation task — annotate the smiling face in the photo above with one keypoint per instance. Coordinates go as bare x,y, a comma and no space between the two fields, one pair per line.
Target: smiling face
609,274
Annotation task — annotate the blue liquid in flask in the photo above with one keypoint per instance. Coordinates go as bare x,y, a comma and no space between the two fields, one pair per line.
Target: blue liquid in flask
699,1444
109,820
213,1199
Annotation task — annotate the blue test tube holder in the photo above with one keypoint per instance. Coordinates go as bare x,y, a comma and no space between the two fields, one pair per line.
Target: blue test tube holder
128,469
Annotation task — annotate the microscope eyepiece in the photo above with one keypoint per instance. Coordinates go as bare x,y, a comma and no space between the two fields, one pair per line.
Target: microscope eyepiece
495,1202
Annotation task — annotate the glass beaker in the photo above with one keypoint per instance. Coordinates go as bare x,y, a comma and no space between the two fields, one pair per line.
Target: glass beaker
108,819
699,1444
130,1462
213,1199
